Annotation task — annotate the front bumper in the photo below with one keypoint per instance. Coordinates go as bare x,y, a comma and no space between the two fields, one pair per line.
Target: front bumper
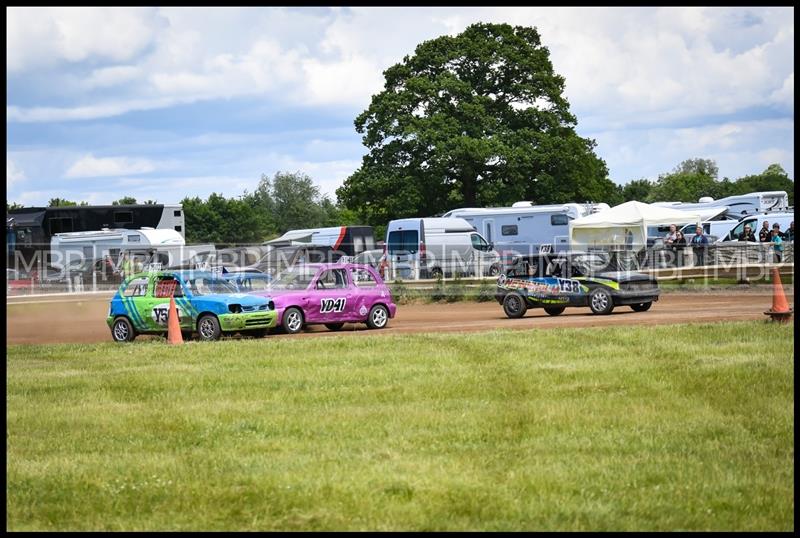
248,321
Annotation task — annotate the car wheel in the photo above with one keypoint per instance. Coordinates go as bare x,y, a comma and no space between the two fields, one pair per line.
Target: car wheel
514,305
494,270
378,317
435,273
334,326
554,310
293,320
122,330
642,307
600,301
208,328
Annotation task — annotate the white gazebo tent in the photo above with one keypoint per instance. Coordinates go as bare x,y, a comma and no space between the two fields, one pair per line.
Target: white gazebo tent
624,226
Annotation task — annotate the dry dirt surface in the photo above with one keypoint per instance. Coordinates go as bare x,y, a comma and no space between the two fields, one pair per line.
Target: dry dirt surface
84,321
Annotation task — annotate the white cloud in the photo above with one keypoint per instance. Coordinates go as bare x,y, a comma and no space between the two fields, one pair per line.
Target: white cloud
90,166
43,36
13,173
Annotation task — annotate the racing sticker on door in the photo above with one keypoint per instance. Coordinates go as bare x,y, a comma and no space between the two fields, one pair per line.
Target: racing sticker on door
160,313
332,305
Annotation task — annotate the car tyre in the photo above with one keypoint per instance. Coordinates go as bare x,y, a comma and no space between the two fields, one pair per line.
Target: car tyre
435,273
514,305
642,307
378,317
208,328
292,320
122,330
600,301
494,270
554,310
334,326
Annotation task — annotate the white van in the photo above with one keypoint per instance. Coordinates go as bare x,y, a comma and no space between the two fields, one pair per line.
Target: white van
755,222
429,247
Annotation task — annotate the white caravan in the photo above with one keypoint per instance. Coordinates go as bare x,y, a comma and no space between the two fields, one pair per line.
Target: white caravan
526,228
67,247
737,206
429,247
351,240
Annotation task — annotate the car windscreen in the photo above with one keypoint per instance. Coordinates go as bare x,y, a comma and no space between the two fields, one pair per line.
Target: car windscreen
251,283
296,278
204,285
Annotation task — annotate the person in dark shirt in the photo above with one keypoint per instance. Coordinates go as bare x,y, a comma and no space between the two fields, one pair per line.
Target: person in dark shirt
747,234
764,234
679,245
789,235
699,244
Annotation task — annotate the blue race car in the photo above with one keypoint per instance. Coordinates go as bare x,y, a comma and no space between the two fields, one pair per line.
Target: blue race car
205,303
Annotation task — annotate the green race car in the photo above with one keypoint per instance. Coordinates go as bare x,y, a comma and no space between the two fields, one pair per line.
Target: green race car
205,303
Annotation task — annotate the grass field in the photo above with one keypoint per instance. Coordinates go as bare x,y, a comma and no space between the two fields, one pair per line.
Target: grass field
667,428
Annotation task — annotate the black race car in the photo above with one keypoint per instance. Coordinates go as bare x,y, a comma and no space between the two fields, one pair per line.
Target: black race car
557,281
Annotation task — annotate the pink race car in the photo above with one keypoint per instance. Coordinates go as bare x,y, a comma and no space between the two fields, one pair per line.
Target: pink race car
332,294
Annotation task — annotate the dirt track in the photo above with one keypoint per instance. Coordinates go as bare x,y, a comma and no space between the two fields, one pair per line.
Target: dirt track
84,321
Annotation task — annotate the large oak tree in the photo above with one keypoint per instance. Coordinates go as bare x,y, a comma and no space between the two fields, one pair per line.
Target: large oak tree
477,119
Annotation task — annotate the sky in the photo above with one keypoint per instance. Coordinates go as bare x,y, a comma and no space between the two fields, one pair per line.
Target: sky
164,103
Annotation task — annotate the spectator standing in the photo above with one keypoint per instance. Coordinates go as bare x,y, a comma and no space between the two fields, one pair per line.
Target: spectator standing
679,245
789,235
777,242
764,234
747,234
699,245
671,236
126,267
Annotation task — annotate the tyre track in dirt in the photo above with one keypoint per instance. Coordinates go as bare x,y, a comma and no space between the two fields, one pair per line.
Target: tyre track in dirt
83,321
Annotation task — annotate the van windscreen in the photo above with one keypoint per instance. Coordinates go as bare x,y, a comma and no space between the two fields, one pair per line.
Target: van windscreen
403,240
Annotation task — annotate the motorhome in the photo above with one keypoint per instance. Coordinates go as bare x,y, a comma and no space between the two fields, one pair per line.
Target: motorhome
430,247
525,228
739,205
350,240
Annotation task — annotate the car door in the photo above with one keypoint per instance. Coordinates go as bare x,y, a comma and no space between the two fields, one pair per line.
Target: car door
156,303
331,298
365,292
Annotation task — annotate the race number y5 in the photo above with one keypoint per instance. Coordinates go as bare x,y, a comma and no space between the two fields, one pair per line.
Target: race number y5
160,313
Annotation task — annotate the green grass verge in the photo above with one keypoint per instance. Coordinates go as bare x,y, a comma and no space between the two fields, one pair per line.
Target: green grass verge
656,428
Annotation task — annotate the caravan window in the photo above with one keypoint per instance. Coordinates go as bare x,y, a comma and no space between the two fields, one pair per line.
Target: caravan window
559,220
403,240
509,229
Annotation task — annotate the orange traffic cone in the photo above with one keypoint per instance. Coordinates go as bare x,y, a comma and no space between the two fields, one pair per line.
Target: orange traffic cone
780,310
174,335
